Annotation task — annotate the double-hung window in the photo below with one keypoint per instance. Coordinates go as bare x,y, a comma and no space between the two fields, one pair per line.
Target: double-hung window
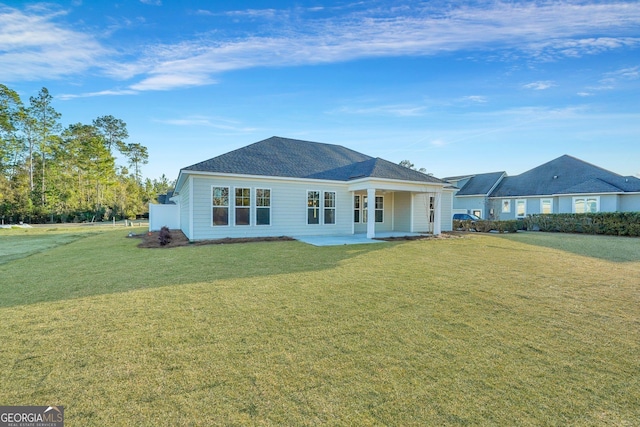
243,206
546,206
220,201
329,207
521,208
506,206
378,209
586,204
356,209
313,207
263,206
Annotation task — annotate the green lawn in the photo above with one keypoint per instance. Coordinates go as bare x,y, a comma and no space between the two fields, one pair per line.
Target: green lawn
525,329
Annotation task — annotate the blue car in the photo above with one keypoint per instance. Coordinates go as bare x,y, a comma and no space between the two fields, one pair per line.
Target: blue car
466,217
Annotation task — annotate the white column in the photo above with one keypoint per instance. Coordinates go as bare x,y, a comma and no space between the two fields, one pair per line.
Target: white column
437,218
371,213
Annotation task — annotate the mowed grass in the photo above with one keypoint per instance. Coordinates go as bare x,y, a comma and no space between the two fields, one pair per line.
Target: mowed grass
482,330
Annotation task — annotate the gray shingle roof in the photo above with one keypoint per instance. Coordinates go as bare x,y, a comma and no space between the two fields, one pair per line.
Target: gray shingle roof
480,184
565,175
284,157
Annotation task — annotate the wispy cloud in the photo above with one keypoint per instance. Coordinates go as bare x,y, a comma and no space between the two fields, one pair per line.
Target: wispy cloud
383,110
34,45
475,98
206,121
541,85
34,40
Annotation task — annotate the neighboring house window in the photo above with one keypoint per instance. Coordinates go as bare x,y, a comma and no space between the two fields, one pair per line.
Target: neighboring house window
379,209
220,201
329,207
586,204
521,208
356,209
243,206
313,207
546,206
263,206
506,206
477,213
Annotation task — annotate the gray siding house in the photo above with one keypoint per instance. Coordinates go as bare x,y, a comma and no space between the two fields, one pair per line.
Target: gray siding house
563,185
281,186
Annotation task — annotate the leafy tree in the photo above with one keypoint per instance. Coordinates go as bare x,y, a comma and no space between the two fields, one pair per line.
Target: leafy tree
46,125
137,155
410,165
114,132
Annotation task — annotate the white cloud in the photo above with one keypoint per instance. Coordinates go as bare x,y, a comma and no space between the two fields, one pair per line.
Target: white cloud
541,85
585,94
475,98
214,122
383,110
34,45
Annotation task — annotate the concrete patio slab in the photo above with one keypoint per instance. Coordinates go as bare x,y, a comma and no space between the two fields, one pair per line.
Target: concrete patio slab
351,239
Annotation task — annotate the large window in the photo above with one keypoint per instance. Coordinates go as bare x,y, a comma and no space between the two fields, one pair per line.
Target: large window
379,209
521,208
313,207
356,209
220,201
546,206
586,204
506,206
263,206
329,207
243,206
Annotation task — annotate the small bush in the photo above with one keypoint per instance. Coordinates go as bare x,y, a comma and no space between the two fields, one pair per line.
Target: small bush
164,236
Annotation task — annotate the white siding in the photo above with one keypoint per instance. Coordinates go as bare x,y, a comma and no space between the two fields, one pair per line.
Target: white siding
446,209
288,209
184,210
421,212
402,207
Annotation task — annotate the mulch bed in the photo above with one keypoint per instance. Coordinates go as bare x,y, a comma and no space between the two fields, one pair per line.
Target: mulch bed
151,240
178,239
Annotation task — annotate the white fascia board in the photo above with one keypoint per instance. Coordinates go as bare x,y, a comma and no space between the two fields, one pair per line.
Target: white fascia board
394,185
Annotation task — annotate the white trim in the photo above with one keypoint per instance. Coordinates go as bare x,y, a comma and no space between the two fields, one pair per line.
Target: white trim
191,201
371,213
573,202
230,219
502,206
306,211
550,199
524,214
255,206
235,217
335,208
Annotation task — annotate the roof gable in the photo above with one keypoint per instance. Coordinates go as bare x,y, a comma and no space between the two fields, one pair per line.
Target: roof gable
284,157
564,175
481,184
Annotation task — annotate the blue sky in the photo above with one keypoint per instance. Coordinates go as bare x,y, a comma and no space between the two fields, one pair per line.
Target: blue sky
455,87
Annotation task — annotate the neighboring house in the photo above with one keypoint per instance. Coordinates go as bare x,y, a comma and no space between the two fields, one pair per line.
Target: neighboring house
563,185
290,187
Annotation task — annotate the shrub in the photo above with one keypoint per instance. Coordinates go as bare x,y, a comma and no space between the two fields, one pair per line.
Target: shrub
609,223
164,236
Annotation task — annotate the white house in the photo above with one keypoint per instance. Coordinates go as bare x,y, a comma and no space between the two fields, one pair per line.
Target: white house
288,187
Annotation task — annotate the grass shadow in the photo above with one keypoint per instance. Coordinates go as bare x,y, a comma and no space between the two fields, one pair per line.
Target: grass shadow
110,262
607,248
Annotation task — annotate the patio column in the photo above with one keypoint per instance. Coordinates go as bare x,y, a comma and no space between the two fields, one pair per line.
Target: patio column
371,213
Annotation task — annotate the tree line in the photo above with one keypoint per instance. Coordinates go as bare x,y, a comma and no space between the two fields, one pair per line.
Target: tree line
53,174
